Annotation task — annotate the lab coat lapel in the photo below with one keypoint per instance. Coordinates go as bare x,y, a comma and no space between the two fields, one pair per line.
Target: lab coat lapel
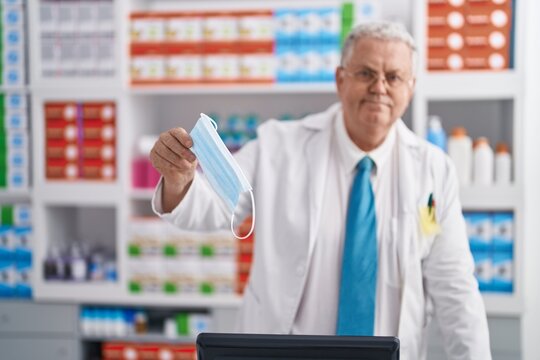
317,152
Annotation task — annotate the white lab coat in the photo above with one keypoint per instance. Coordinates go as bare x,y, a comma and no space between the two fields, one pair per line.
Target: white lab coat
286,166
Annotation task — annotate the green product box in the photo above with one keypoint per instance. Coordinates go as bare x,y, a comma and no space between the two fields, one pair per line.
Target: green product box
182,324
7,215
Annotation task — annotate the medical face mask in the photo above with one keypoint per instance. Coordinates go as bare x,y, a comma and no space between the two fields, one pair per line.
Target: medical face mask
220,167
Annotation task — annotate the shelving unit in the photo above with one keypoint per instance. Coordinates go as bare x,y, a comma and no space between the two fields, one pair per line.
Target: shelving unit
153,109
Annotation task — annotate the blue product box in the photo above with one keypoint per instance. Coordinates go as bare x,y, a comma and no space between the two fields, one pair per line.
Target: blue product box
483,270
312,63
503,231
6,243
479,231
503,278
330,55
23,279
310,26
289,63
7,279
287,26
15,101
330,32
22,239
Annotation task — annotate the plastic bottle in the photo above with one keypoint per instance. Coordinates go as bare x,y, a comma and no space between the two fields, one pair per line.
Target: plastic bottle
482,162
436,134
460,151
503,165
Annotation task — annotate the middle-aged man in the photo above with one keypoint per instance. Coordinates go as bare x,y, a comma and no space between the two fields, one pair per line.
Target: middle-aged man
359,225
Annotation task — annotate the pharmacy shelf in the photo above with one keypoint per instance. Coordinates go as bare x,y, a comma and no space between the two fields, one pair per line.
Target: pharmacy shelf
471,86
79,292
218,89
187,301
142,194
492,198
502,304
80,193
142,338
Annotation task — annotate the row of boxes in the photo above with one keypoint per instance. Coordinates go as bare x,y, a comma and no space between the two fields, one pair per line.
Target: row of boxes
13,111
469,35
149,351
12,44
80,140
494,271
16,251
163,258
249,25
14,159
77,38
490,231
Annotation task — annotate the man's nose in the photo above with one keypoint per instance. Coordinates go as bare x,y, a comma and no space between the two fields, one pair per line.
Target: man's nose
378,85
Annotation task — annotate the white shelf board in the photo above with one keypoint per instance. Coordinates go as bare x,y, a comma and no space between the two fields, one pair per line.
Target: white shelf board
491,198
471,85
79,193
15,194
223,89
76,292
189,301
502,304
141,338
142,194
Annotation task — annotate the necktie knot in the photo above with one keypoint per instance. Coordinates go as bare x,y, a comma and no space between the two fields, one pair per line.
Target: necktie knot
366,164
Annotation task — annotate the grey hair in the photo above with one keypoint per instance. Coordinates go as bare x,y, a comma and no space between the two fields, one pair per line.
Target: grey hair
383,30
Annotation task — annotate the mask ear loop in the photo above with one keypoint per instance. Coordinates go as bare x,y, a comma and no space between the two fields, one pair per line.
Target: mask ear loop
252,222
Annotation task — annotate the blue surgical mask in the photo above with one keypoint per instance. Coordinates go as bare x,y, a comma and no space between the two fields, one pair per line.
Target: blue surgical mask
219,166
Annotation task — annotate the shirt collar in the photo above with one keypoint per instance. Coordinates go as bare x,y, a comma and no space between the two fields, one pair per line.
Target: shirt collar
350,154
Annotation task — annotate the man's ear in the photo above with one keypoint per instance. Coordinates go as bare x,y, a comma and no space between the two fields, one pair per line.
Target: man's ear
412,85
339,78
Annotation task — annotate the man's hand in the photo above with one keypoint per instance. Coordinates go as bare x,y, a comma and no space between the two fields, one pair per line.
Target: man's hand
176,163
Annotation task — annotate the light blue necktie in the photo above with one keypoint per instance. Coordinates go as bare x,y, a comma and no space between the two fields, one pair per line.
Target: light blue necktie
356,311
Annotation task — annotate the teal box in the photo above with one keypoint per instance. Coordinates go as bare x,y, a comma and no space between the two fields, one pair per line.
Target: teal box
22,238
6,243
7,279
23,279
479,231
503,277
483,270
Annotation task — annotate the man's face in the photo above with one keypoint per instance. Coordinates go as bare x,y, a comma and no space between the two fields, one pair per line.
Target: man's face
375,85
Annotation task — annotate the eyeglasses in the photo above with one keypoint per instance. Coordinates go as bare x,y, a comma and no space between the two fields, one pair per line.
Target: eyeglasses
392,80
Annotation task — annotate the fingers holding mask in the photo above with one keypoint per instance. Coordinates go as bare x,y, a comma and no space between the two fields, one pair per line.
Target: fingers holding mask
170,151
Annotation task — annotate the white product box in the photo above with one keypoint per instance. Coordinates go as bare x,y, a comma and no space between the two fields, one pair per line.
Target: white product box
367,10
330,31
13,76
181,276
145,275
312,63
17,159
218,277
50,56
68,56
105,56
86,16
17,140
13,38
13,17
148,68
199,323
330,55
184,67
221,67
22,215
184,29
220,28
15,118
256,28
258,67
105,15
48,16
85,55
67,17
147,29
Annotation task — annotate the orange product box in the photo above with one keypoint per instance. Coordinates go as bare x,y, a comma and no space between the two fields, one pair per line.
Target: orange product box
255,25
96,130
119,351
490,61
183,62
453,41
487,13
102,111
61,111
98,149
184,352
148,351
61,169
61,149
241,282
98,169
245,247
61,130
444,59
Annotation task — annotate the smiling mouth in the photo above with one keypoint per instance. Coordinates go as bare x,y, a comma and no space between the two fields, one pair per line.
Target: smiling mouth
372,102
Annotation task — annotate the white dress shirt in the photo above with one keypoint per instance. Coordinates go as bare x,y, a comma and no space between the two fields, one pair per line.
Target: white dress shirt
317,313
